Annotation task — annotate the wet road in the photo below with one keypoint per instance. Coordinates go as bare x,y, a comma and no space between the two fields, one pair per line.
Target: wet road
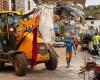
40,72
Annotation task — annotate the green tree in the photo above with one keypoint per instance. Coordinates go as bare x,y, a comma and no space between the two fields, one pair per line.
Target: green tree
98,6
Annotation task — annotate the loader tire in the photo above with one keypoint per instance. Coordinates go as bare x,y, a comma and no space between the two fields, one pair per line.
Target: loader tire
2,64
20,64
52,63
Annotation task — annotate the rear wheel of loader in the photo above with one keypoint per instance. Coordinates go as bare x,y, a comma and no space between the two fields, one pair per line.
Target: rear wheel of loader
52,63
2,64
20,64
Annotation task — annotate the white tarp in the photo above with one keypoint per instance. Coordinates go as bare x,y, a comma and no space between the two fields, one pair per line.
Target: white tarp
46,26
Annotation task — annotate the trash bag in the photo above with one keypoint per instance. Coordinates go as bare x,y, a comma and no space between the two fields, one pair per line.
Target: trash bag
46,26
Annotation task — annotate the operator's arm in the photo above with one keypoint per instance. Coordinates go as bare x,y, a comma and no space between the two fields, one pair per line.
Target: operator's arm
32,22
28,14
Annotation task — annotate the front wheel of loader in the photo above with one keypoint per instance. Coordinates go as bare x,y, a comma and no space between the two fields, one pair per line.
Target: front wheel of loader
52,63
20,64
2,64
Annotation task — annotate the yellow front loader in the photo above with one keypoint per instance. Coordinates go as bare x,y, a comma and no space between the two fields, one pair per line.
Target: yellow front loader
16,43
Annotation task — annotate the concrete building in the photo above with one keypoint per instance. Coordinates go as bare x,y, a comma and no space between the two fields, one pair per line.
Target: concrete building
7,5
95,23
1,5
82,2
17,5
27,5
24,5
4,4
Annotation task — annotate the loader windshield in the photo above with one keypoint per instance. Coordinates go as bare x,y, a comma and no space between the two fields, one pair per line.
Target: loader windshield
14,19
2,22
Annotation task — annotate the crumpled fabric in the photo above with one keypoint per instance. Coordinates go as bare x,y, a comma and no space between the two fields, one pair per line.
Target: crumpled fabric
46,26
34,49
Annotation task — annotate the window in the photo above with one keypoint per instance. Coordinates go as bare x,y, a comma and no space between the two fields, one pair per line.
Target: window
3,22
13,19
17,20
92,22
28,5
13,6
5,5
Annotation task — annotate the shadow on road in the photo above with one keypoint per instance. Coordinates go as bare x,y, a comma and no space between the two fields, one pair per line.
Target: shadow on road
7,69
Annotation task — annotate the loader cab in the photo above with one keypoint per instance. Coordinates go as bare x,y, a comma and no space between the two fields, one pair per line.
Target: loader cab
8,23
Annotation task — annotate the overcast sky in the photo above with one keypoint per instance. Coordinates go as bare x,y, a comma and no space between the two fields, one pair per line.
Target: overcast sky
92,2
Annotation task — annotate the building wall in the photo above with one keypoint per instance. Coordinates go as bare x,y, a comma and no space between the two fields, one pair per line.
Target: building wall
20,5
29,5
94,23
1,4
10,7
24,5
80,2
74,1
4,4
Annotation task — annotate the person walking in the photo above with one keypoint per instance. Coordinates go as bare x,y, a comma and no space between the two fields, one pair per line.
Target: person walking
96,43
76,42
69,45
